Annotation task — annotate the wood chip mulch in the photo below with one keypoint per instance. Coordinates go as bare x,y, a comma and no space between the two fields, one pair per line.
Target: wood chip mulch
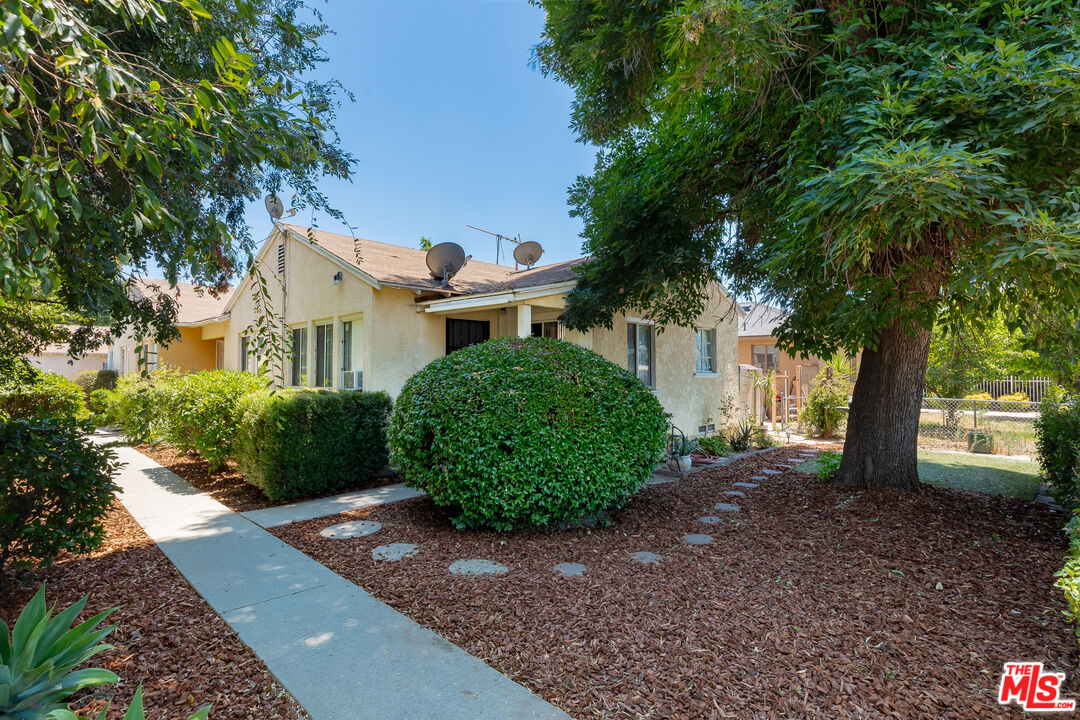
227,484
169,639
814,601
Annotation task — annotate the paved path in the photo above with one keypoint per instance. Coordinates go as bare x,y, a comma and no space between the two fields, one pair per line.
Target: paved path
339,651
321,507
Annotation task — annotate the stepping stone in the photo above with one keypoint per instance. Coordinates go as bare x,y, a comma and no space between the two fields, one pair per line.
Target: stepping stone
735,493
745,485
394,551
697,539
570,569
646,558
360,528
758,477
710,520
770,471
726,507
477,567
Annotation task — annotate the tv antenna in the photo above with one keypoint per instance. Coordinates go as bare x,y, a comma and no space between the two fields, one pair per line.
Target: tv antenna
498,246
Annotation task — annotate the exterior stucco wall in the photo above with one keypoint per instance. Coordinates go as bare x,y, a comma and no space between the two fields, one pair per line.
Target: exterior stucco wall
58,363
190,353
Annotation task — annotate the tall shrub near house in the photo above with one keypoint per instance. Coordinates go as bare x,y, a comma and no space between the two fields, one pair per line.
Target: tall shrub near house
1057,440
139,402
42,394
91,380
830,391
201,412
57,487
299,443
526,431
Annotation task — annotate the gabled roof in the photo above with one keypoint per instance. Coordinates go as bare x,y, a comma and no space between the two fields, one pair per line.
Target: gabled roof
193,304
407,267
761,320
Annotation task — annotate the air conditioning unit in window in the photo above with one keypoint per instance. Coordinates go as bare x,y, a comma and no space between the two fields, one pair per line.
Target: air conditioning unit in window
352,380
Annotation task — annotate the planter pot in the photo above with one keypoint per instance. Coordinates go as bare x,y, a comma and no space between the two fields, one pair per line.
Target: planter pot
980,442
680,463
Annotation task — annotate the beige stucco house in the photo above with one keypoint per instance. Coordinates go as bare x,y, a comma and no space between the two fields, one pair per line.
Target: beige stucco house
365,314
56,358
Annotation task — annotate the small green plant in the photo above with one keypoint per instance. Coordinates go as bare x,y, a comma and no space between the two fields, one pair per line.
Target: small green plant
829,393
1068,578
39,655
715,445
516,432
741,436
828,465
683,446
57,487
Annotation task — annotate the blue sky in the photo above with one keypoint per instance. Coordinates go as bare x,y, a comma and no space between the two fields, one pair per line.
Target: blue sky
450,126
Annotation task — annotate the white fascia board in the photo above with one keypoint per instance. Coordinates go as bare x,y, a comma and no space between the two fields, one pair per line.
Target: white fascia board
257,261
496,299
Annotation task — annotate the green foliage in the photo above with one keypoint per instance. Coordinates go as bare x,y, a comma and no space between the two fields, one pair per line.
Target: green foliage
91,380
39,655
201,412
45,394
828,465
1057,440
100,401
970,351
741,436
140,402
684,446
829,394
38,658
294,444
136,100
57,488
1068,577
526,431
715,445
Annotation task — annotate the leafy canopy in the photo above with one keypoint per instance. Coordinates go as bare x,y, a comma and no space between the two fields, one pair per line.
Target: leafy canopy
133,134
858,163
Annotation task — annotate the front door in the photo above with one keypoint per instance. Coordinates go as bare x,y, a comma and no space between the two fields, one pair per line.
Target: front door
462,333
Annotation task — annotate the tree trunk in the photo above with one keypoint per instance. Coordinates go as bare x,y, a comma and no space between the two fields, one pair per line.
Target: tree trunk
883,424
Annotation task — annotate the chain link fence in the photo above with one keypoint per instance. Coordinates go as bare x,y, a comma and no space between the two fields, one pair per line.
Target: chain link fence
1002,427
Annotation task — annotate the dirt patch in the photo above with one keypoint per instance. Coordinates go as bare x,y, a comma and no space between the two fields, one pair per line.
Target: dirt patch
812,601
227,484
169,639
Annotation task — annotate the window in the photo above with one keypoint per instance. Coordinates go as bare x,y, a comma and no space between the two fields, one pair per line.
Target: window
299,356
352,378
548,329
249,357
147,356
324,355
639,351
766,357
219,354
706,350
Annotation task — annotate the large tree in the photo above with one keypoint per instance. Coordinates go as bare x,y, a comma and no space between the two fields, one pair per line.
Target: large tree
134,134
860,164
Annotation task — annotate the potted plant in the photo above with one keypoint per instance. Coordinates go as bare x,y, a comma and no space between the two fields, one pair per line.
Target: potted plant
681,449
980,441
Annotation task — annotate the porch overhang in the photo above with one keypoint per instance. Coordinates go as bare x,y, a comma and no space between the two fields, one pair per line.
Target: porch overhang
541,296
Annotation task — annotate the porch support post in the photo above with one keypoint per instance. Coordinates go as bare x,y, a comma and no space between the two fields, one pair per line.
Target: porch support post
524,320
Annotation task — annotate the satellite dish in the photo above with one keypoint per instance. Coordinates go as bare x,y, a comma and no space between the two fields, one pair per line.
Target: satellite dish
527,253
445,260
274,206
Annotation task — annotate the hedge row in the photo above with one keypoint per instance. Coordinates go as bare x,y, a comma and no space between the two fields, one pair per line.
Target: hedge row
289,443
33,393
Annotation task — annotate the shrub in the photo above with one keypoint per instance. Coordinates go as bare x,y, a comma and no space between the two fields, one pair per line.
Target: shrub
91,380
1057,441
828,465
201,412
715,445
982,396
46,394
57,488
299,443
100,400
140,402
1015,397
526,431
741,437
1068,578
823,412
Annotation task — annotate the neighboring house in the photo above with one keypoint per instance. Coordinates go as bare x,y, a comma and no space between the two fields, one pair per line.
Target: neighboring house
55,358
199,317
757,347
364,314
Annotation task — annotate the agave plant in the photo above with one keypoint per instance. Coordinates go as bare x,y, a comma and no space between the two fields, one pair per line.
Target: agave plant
134,711
38,658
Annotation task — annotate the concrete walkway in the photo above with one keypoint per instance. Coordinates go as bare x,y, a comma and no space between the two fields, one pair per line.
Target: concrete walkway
339,651
321,507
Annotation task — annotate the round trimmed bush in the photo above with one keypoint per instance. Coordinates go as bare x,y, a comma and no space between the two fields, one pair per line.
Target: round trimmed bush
516,432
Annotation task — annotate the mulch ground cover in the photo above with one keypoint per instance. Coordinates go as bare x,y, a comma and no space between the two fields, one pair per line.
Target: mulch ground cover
814,601
169,639
227,486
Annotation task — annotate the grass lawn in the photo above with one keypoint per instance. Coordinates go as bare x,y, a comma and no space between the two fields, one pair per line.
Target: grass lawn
967,471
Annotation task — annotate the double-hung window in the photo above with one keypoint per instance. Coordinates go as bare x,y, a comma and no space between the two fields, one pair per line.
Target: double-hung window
352,378
639,351
299,356
706,350
324,355
766,357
